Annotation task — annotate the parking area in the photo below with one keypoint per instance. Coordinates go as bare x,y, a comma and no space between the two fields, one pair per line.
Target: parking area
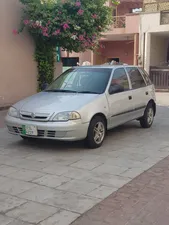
52,183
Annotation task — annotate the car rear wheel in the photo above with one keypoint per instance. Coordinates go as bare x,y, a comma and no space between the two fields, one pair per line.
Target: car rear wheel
96,132
147,120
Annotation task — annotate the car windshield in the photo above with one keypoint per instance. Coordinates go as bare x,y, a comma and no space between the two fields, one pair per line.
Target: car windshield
82,80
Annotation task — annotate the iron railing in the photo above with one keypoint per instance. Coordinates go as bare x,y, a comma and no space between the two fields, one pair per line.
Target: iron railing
160,78
119,22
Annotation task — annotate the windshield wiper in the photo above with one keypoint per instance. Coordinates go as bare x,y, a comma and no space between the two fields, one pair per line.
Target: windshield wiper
61,90
88,92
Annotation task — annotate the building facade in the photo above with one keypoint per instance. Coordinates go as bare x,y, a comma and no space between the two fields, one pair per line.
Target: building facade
154,41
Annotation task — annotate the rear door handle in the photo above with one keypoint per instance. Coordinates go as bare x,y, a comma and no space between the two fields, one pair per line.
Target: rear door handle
130,97
146,92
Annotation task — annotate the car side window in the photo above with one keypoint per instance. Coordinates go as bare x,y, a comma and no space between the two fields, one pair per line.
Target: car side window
136,78
119,81
146,76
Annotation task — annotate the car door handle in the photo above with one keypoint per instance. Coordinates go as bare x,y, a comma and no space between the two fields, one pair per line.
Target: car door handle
146,92
130,97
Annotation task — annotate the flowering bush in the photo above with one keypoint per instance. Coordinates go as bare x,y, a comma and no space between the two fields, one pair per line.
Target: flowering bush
73,25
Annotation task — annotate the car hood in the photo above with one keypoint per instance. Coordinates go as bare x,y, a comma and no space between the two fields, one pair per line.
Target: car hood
49,102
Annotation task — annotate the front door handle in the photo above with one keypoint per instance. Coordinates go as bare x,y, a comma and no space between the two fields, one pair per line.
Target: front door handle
130,97
146,92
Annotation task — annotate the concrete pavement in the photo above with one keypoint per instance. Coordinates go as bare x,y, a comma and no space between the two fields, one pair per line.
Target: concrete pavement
52,183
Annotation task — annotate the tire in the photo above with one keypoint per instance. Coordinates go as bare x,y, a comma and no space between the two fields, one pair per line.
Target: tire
147,120
94,139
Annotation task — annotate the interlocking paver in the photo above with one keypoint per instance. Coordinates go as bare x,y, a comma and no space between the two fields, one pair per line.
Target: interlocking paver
32,212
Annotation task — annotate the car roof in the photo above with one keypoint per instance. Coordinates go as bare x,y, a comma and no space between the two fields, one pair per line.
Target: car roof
107,66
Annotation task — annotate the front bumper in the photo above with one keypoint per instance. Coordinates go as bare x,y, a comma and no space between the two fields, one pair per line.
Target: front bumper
66,131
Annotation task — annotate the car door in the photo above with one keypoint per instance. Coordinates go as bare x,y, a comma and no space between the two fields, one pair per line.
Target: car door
120,99
140,91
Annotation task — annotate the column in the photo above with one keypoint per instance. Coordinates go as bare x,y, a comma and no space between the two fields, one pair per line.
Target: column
136,48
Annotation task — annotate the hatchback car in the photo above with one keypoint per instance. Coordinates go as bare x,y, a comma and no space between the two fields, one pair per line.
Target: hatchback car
85,102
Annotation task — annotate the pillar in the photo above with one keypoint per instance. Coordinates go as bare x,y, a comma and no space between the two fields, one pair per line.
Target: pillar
136,48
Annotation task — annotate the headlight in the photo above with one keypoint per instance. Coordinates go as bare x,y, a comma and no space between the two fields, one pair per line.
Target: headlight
13,112
65,116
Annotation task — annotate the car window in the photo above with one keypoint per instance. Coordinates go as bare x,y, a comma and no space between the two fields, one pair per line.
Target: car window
82,80
136,78
146,76
119,80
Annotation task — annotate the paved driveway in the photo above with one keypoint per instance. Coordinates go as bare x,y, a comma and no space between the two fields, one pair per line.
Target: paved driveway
52,183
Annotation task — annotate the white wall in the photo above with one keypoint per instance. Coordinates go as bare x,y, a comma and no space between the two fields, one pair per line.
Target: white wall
149,25
158,50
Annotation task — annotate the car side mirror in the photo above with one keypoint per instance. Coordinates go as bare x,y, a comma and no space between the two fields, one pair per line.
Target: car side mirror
116,88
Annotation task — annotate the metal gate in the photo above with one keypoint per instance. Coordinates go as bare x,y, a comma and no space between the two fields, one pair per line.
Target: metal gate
160,78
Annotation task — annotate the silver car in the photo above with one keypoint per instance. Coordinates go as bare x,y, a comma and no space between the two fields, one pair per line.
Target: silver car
85,102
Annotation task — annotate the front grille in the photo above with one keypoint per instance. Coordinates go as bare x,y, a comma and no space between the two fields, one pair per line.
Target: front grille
41,133
34,116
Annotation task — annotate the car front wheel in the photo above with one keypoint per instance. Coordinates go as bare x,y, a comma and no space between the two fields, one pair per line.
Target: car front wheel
147,120
96,132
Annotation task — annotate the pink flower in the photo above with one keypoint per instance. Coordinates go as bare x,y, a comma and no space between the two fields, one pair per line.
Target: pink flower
65,26
78,4
81,37
45,34
48,23
80,12
26,22
94,16
15,32
57,32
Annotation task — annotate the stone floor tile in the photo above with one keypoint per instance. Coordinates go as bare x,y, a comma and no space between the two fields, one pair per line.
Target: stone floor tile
78,187
62,217
26,175
15,187
5,170
4,220
114,170
8,202
32,212
19,222
72,202
78,174
102,192
52,181
56,169
88,165
40,193
109,180
132,173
